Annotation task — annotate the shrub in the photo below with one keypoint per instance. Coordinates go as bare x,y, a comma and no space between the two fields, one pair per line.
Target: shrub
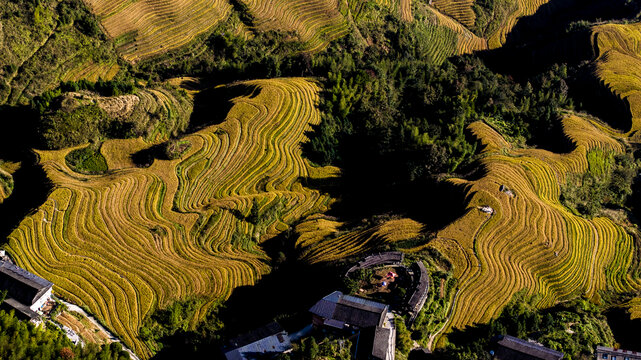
87,160
174,149
403,337
607,183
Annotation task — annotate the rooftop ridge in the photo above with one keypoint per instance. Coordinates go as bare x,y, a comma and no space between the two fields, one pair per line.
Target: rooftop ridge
24,276
540,348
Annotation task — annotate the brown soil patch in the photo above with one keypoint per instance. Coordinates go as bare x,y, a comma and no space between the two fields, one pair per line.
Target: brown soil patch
118,106
87,330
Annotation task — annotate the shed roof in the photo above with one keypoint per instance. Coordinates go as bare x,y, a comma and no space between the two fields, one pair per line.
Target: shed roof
22,310
386,258
325,307
268,330
270,345
350,310
528,348
382,343
361,303
22,285
357,316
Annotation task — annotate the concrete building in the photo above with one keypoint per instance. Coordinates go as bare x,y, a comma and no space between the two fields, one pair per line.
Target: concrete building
608,353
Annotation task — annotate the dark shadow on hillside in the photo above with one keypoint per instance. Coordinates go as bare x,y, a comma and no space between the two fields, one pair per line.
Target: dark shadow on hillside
595,98
285,295
211,106
555,141
31,186
145,158
18,133
625,330
288,291
432,202
30,191
542,39
555,35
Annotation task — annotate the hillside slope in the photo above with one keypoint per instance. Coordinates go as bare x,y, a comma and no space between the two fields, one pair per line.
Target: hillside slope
532,242
135,239
618,65
48,42
149,28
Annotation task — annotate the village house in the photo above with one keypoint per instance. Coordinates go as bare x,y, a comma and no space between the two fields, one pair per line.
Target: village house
608,353
370,320
264,342
26,293
512,348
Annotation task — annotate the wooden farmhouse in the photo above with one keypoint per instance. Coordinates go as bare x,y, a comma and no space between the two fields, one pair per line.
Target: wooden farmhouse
26,293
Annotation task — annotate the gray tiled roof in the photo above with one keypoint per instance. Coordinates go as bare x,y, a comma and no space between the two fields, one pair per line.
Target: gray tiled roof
21,284
24,276
20,307
350,310
420,293
531,349
381,342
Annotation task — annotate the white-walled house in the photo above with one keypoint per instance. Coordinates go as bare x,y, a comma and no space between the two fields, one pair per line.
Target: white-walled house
26,293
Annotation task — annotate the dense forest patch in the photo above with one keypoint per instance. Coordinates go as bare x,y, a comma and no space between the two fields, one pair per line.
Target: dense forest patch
606,184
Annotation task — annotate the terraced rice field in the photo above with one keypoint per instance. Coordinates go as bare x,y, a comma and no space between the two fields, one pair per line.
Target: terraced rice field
531,241
318,241
92,71
145,28
618,64
635,308
467,42
459,10
406,10
459,16
315,22
523,8
128,242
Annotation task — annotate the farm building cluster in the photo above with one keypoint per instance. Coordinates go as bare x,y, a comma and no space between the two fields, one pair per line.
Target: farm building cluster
369,324
608,353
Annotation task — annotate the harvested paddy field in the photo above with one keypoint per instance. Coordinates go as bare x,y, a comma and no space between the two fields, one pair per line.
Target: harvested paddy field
530,241
135,239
